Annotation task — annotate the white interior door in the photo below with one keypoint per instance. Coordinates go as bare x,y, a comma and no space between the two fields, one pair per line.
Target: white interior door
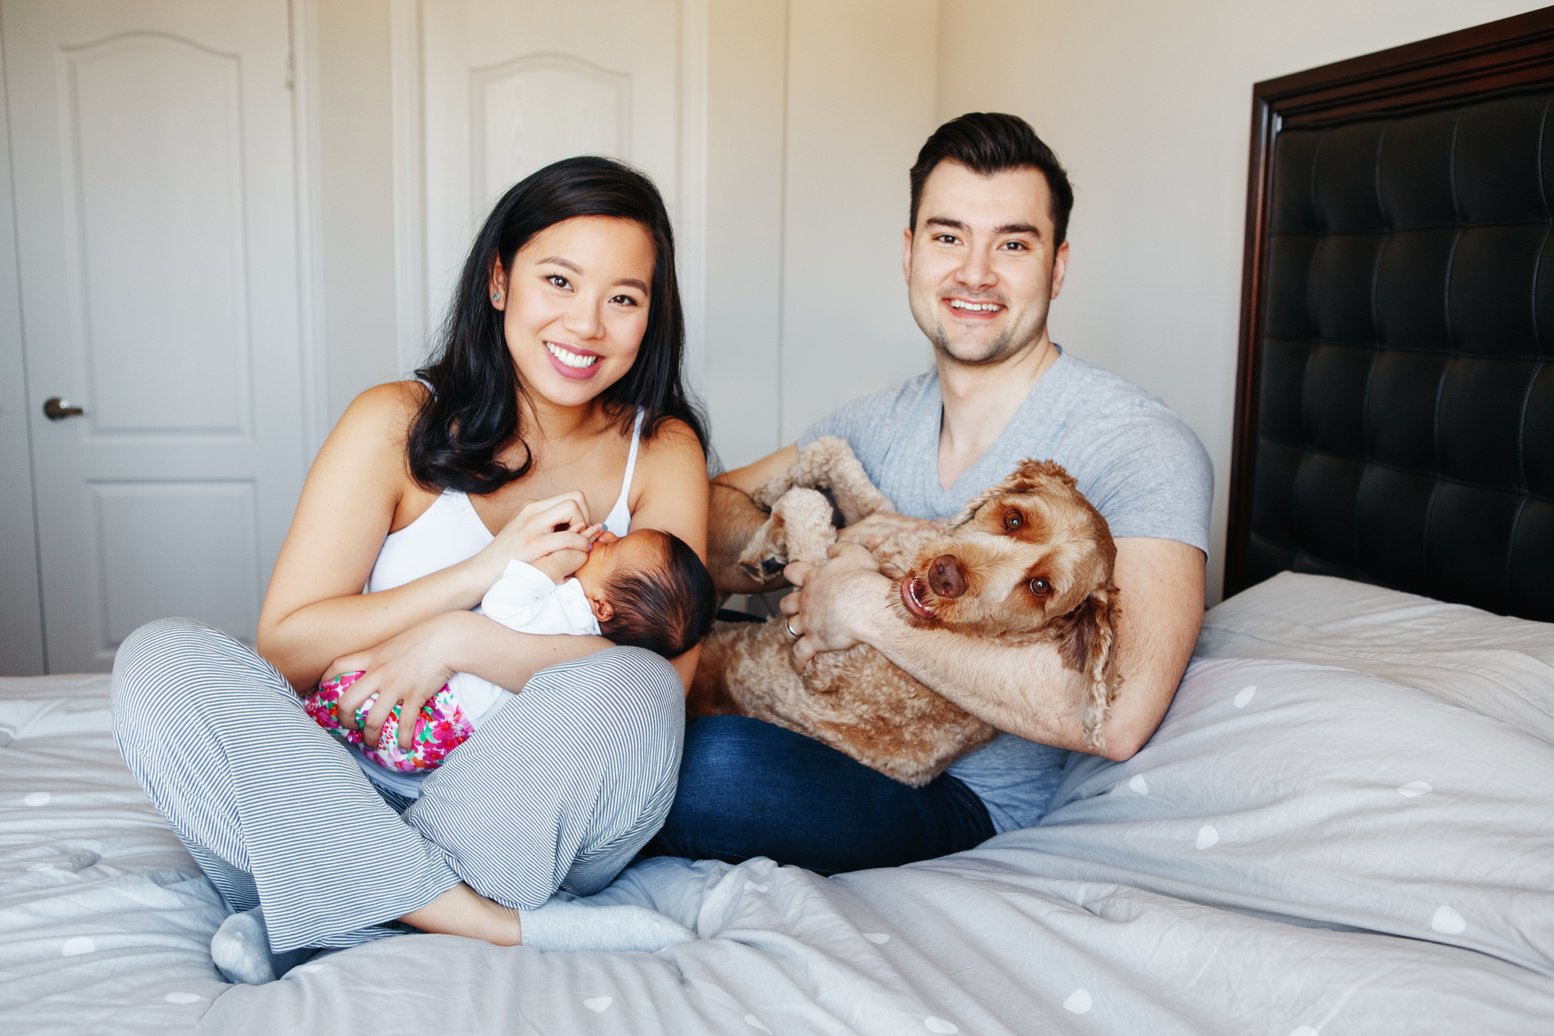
504,87
152,147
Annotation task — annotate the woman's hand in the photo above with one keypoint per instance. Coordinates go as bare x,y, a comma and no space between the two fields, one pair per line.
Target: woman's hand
540,527
405,670
560,564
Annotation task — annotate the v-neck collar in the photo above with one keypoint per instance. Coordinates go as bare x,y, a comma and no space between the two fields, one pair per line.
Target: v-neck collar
927,437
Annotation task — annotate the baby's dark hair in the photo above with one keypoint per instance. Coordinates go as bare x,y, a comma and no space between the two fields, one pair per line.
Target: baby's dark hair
667,609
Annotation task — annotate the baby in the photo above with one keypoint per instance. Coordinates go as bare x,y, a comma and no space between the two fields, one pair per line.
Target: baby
646,589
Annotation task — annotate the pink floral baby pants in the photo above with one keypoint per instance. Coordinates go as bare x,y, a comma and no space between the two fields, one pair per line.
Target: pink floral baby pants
440,728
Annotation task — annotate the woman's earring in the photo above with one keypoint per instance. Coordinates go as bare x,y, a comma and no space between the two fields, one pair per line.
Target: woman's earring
496,296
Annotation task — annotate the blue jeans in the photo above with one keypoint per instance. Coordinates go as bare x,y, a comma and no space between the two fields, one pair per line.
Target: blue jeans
749,788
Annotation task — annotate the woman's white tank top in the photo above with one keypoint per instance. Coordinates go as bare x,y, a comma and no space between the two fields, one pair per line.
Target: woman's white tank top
450,531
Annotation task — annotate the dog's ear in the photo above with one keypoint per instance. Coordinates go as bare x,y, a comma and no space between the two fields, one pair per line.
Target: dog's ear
1029,476
970,510
1087,641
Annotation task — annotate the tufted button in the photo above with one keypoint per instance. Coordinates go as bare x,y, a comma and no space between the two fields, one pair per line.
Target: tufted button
1538,427
1491,295
1481,421
1400,411
1344,185
1497,161
1415,173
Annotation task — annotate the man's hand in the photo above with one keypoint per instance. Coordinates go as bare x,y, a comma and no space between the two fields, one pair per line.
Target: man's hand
834,601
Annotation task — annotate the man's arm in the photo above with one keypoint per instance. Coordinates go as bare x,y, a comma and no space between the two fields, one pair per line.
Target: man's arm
734,518
1024,690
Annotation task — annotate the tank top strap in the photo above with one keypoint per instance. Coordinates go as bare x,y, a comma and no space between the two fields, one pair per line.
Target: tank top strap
619,520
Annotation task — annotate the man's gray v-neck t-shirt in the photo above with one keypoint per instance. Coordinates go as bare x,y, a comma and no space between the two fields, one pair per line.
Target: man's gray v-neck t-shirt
1132,457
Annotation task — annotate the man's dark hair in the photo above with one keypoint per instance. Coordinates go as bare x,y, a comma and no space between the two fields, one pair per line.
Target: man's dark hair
667,609
988,143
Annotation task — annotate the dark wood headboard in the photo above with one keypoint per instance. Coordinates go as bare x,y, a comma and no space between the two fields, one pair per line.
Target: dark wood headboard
1395,399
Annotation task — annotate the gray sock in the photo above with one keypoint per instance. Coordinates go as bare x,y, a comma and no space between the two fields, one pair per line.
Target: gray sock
241,950
561,925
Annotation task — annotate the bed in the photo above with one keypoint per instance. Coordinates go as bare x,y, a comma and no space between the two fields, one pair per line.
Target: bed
1341,826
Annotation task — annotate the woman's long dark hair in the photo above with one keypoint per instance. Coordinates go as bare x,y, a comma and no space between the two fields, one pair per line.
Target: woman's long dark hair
471,413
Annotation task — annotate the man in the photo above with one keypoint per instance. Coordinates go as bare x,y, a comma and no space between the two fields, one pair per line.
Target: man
985,253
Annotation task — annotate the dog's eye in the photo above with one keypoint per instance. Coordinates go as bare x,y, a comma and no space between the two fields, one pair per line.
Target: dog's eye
1039,586
1012,520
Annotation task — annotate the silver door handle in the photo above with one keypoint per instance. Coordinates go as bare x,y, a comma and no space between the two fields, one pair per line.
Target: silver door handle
57,409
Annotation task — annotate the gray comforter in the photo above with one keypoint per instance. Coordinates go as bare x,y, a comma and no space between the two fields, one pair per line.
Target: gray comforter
1342,826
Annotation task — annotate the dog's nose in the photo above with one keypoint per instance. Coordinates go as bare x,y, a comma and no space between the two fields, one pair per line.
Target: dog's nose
945,576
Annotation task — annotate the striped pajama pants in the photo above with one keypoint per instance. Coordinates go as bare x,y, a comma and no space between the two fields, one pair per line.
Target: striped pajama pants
558,789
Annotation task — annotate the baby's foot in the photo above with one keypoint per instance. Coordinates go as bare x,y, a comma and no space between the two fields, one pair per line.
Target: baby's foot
560,925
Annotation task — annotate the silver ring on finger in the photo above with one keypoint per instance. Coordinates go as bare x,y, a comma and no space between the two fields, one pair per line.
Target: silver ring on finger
791,631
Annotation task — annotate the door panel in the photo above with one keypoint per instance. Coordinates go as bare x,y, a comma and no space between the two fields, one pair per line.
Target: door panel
152,148
510,86
141,524
161,272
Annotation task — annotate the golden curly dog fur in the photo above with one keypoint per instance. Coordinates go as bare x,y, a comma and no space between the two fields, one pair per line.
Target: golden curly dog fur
1029,560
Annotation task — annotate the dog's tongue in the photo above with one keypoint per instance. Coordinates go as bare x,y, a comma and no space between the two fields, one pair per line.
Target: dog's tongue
911,601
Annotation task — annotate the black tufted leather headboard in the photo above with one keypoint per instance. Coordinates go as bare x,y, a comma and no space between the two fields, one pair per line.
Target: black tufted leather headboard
1395,412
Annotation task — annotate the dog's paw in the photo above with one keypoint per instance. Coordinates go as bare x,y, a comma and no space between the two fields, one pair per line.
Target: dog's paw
767,552
762,569
803,519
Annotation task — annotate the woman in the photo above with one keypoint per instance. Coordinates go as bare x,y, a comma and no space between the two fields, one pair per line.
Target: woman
556,395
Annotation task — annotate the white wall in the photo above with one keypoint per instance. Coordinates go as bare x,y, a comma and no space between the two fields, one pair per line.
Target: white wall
355,199
747,110
1149,107
860,92
816,110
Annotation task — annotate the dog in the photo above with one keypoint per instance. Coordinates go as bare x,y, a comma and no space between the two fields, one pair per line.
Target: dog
1029,560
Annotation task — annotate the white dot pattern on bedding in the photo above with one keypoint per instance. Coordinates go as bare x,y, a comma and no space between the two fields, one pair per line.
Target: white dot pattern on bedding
1448,922
78,945
1275,708
933,1023
1078,1002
